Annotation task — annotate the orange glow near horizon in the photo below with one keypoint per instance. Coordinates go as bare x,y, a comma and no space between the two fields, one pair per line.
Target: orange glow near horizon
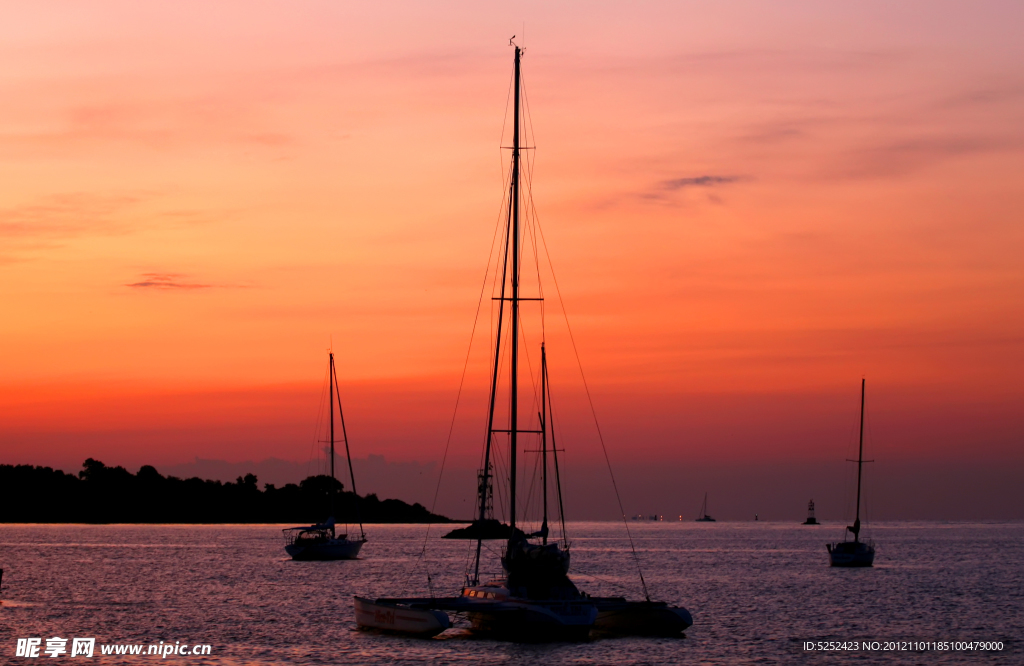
747,206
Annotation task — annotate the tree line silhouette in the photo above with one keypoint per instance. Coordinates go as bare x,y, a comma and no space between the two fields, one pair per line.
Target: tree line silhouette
101,494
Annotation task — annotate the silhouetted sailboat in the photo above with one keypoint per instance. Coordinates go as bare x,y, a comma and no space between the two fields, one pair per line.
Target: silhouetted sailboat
703,516
321,541
854,553
534,599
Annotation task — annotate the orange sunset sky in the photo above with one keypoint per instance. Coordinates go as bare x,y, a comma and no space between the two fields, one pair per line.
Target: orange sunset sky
749,206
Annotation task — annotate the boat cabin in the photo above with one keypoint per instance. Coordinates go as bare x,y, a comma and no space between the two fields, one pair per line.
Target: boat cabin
309,536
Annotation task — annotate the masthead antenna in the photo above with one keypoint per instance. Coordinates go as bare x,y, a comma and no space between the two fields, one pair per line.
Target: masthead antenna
510,42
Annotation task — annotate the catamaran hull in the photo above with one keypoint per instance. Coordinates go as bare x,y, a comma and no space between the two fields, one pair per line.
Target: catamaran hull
534,622
400,618
641,618
346,550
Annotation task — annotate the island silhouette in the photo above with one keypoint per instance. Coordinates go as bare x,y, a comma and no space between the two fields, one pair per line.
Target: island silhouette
102,494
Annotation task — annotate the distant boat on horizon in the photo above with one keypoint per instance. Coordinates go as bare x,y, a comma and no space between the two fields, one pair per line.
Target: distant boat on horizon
321,541
854,553
703,517
811,520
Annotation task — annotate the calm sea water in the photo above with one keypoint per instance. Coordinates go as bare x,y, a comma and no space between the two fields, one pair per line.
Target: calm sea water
757,591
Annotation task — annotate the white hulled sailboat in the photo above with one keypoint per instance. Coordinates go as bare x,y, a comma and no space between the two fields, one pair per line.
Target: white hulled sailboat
321,541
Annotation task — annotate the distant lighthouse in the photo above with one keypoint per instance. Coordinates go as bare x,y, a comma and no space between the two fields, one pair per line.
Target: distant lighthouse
811,520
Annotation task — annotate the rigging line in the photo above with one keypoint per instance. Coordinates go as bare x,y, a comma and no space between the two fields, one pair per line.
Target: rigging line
498,288
528,117
529,493
348,454
554,453
502,252
316,427
494,363
465,368
593,412
504,118
534,385
532,231
469,560
533,224
850,479
531,208
869,439
603,580
500,485
530,216
534,382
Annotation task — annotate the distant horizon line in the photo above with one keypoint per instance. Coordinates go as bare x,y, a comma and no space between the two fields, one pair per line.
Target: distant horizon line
568,522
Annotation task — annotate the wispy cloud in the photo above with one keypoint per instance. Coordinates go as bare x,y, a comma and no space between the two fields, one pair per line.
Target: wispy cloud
697,181
665,191
65,215
785,61
166,281
1009,93
903,157
51,221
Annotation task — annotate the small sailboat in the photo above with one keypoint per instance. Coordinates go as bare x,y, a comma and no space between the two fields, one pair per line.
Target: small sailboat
811,520
703,516
322,541
533,598
854,553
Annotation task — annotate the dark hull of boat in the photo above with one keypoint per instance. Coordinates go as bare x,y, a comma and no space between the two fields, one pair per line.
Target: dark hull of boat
619,617
534,623
851,554
342,550
518,620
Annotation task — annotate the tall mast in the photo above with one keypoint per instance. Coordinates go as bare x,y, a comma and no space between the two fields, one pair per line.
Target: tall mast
544,437
514,370
330,389
485,473
860,462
